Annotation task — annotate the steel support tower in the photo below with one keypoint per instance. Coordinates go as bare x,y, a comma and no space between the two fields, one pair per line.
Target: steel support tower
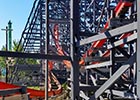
100,36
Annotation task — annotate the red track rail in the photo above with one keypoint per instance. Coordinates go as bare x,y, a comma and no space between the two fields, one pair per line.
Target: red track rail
32,92
98,44
59,48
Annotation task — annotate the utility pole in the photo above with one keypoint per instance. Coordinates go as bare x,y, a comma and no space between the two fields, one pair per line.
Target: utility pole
8,31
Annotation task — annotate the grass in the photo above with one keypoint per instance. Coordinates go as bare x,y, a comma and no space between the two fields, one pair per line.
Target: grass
34,87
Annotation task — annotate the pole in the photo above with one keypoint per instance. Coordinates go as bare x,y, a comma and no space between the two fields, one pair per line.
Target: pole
6,38
46,50
138,49
6,30
6,57
10,35
74,30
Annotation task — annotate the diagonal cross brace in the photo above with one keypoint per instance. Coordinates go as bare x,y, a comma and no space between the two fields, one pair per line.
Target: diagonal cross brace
114,77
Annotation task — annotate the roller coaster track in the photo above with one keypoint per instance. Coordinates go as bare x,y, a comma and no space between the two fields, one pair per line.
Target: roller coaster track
99,44
33,38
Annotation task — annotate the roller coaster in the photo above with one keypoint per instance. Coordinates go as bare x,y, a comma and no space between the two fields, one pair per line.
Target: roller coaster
98,42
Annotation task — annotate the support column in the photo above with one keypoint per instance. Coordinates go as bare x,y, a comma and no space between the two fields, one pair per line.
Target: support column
10,35
41,28
138,49
6,46
42,43
46,49
74,28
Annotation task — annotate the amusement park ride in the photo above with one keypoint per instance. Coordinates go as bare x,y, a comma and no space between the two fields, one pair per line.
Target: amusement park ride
96,41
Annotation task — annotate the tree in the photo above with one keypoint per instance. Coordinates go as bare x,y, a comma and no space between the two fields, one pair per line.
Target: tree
3,59
2,62
16,47
9,63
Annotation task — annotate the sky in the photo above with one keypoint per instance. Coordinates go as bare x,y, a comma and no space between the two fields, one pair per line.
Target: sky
17,11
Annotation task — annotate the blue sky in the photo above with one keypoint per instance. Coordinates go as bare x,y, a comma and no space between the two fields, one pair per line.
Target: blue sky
17,11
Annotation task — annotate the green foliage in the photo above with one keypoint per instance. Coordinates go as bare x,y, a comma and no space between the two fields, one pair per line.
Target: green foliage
31,61
65,86
3,48
16,47
34,87
2,62
3,59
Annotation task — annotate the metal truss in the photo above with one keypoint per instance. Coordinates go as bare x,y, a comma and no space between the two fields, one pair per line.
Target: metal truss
100,36
32,41
110,61
33,35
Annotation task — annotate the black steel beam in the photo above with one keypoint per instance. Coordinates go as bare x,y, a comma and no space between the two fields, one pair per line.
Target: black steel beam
85,87
10,91
24,67
33,55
